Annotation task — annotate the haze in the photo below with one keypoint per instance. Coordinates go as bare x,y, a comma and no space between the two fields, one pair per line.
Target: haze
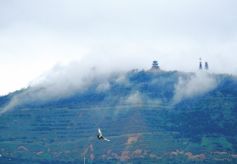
113,35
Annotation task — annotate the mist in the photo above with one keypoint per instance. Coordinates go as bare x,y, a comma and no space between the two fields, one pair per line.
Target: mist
196,85
63,81
35,36
57,48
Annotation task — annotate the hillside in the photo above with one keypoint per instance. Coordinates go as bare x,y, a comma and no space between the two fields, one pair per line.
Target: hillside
150,117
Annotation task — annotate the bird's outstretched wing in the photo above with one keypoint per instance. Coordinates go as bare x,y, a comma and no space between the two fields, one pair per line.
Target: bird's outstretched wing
99,131
106,139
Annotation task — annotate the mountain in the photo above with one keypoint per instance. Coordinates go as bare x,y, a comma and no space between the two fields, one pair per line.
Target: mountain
149,116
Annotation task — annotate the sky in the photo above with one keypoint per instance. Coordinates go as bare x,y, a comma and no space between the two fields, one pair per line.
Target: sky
38,36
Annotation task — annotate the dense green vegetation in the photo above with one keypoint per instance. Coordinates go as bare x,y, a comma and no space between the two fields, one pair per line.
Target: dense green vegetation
138,115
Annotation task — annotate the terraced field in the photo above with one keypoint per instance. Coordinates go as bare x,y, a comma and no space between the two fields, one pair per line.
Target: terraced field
201,129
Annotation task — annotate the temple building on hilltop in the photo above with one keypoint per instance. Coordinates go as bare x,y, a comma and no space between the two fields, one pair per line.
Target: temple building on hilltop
155,66
206,66
200,64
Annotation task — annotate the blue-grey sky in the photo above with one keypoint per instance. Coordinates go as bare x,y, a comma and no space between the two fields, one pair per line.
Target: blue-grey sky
120,34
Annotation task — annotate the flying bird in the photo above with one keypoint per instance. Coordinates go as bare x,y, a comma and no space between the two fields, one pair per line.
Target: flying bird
100,136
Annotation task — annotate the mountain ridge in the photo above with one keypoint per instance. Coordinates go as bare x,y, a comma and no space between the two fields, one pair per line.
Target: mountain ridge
150,116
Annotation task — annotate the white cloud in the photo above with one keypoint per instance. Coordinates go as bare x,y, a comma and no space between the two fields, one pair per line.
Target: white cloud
125,34
13,103
104,86
134,99
196,85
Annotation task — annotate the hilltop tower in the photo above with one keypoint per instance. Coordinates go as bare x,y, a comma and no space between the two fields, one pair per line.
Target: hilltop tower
200,64
155,65
206,66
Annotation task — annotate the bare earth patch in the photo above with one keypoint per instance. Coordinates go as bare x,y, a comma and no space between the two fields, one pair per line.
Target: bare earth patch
132,139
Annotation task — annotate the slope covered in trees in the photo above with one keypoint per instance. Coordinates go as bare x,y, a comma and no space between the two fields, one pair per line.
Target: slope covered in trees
149,117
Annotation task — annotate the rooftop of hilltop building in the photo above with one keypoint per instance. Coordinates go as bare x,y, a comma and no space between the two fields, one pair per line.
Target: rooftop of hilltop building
156,67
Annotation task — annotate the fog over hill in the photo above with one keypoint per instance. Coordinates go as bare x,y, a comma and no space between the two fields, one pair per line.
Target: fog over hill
149,116
129,34
90,62
63,82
